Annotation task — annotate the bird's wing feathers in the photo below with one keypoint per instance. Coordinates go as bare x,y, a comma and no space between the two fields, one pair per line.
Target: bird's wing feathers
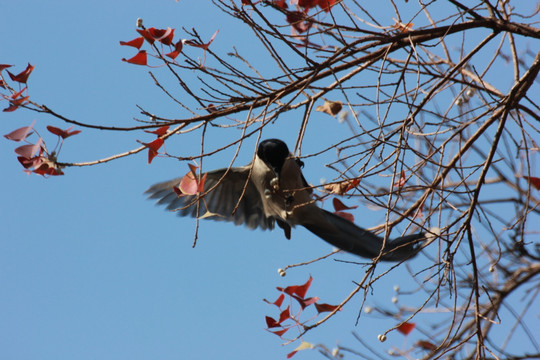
347,236
221,200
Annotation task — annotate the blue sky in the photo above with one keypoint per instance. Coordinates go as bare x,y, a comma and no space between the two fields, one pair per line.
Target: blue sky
89,269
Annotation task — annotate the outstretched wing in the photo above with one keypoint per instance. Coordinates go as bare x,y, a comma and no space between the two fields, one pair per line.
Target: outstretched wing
226,188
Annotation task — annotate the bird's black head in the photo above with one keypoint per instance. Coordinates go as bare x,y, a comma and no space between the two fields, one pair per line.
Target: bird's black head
273,152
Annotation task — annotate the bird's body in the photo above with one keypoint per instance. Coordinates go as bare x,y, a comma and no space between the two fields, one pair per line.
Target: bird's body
274,190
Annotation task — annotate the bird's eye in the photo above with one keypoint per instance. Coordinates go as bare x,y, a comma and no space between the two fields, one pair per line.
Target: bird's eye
300,163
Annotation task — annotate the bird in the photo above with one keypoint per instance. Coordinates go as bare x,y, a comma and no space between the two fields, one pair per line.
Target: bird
272,190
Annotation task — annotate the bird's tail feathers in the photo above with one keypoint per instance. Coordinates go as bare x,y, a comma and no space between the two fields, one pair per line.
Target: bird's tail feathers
345,235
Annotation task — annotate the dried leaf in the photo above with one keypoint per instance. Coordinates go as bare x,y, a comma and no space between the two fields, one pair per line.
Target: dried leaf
303,346
330,107
341,187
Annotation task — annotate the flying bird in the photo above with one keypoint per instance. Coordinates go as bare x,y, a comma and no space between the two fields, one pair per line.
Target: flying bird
272,190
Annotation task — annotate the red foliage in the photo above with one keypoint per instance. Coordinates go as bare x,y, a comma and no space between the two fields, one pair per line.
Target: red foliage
4,66
202,46
136,43
299,21
426,345
339,205
22,77
287,321
325,307
406,328
16,100
153,148
139,59
21,133
190,183
28,151
64,134
160,131
164,36
299,290
534,181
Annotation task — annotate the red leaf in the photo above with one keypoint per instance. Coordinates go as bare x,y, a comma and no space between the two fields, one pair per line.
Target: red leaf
306,4
305,302
146,35
20,133
160,131
153,148
139,59
426,345
326,5
15,101
4,66
534,181
326,307
280,4
190,184
22,77
280,332
202,46
291,354
30,163
299,290
339,205
164,36
2,84
279,300
64,134
345,215
28,151
285,314
136,43
299,21
173,54
271,323
406,328
47,169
